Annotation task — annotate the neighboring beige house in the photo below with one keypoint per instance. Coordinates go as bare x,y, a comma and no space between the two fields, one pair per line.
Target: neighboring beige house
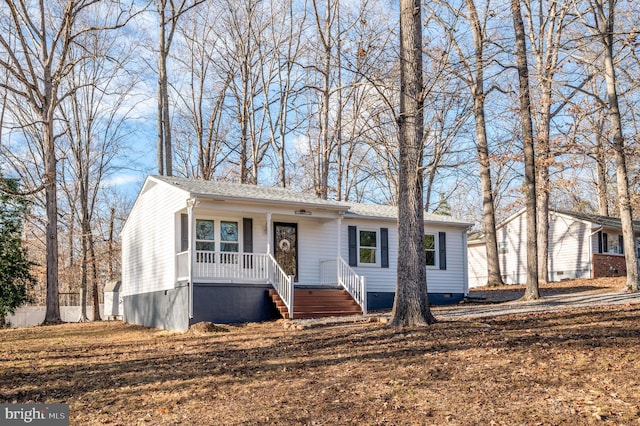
195,250
580,246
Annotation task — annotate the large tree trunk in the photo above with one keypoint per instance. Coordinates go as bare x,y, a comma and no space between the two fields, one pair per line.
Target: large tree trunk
411,305
52,315
622,179
543,184
83,275
85,226
165,151
488,205
162,77
546,24
94,278
601,168
110,248
532,291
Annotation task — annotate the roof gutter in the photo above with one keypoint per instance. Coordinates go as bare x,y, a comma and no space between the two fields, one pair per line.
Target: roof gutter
269,201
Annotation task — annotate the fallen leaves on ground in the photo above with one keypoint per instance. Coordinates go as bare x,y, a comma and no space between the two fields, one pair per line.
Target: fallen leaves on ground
576,367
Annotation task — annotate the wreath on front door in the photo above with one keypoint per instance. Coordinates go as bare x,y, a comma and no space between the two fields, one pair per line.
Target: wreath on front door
285,245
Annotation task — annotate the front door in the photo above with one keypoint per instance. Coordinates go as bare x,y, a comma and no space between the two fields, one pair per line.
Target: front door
285,245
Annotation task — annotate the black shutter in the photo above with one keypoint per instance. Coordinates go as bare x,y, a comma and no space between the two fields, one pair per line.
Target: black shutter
384,247
247,241
442,249
353,246
600,241
605,243
247,235
621,244
184,232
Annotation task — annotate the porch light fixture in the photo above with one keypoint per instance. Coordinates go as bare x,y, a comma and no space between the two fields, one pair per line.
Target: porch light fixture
303,212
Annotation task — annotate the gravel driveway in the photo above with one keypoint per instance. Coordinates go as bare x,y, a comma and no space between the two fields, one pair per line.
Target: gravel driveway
555,303
475,310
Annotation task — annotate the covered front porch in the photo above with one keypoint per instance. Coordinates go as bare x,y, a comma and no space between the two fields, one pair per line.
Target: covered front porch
282,250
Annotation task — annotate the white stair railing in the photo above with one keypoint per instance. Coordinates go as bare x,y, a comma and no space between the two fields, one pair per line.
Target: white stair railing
355,284
282,283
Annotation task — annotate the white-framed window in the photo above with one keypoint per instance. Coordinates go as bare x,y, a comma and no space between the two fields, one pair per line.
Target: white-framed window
229,236
613,244
205,241
205,235
430,249
367,247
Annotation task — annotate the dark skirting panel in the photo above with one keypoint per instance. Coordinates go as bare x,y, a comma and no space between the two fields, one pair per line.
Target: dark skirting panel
232,303
384,300
168,309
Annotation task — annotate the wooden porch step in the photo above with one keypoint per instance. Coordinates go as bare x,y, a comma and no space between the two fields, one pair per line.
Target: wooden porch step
317,303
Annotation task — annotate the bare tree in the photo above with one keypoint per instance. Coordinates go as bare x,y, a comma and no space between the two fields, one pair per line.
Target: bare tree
601,24
95,115
531,291
286,39
36,42
169,12
326,21
546,21
241,35
473,74
411,304
201,119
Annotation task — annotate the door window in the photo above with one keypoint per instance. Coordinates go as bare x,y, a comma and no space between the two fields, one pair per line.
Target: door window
286,247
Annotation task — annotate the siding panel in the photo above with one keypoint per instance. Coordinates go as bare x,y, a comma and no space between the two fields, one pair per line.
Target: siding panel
570,249
149,240
451,280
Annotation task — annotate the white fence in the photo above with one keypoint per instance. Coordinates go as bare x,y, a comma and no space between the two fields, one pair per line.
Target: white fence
27,316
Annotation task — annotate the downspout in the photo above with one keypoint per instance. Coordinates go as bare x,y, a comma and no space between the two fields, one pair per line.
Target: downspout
465,262
269,233
191,203
339,244
340,235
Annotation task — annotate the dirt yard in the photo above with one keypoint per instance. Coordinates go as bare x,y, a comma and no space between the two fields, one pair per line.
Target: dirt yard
577,367
588,286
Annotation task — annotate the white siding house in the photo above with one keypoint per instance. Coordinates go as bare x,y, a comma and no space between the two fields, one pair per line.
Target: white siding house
198,250
580,246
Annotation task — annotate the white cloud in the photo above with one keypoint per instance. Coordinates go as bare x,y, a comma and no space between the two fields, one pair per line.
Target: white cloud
123,179
300,144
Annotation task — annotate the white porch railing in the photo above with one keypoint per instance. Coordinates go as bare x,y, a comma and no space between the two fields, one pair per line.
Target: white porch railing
337,271
238,267
230,266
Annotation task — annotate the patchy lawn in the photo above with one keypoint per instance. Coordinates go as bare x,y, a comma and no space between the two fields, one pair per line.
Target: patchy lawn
579,367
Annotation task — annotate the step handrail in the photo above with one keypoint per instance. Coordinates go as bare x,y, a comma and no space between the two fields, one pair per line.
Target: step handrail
356,285
282,283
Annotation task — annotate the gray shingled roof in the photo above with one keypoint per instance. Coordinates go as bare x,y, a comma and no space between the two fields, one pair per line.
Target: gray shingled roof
608,221
377,211
244,192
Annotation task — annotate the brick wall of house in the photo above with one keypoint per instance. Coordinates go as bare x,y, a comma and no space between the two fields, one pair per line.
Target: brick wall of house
607,265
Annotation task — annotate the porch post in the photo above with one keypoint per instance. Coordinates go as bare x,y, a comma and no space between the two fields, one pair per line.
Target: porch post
340,234
191,203
269,238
